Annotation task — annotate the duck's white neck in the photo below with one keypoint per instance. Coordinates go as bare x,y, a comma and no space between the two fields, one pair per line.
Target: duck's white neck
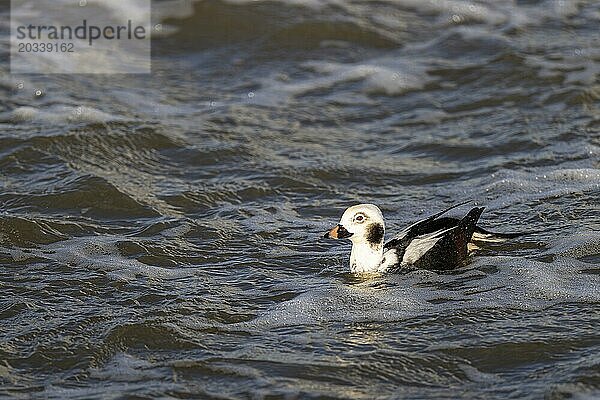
365,257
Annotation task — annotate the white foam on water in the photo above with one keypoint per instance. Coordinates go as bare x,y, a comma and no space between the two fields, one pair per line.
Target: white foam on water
513,185
495,282
59,114
536,285
386,75
474,11
580,244
151,104
338,302
126,368
101,254
576,391
123,372
489,12
578,66
120,10
316,4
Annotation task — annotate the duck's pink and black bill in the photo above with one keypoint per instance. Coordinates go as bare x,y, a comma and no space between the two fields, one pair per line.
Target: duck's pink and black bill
339,232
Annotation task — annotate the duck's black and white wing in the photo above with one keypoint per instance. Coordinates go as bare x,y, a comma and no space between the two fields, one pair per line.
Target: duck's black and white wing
434,243
428,225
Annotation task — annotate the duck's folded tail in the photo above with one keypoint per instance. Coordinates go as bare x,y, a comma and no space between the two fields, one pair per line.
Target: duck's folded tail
483,235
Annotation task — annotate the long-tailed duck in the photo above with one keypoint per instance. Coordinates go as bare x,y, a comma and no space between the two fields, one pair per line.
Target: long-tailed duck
433,243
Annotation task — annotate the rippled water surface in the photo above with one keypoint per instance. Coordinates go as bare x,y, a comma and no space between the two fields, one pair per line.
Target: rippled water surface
160,235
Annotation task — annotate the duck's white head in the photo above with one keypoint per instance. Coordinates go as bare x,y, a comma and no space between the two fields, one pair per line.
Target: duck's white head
362,224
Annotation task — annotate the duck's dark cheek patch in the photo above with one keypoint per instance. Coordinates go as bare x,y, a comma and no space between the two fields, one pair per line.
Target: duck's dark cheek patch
375,233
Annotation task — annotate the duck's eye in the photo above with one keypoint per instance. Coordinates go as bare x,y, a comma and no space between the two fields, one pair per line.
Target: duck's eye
359,218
